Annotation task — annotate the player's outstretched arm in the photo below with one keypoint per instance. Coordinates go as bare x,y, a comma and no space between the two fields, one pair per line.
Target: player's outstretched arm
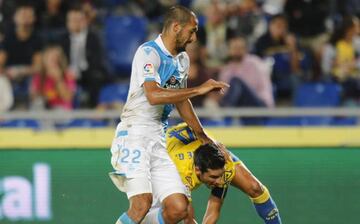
188,114
212,213
158,95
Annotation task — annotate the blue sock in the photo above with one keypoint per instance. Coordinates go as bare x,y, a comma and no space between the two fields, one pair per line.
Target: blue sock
125,219
266,208
160,217
268,212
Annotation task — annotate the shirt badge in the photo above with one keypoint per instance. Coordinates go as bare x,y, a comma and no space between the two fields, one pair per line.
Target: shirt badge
149,69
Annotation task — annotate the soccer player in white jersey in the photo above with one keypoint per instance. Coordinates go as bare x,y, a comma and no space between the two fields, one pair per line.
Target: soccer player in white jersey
143,168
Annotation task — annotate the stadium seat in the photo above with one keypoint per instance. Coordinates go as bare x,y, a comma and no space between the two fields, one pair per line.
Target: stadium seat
281,72
20,123
116,92
114,3
283,79
344,121
122,36
317,95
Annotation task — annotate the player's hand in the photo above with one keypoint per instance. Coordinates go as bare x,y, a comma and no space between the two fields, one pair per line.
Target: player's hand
212,85
204,138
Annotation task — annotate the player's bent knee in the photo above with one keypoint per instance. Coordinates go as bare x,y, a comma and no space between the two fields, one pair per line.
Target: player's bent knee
255,189
140,204
175,207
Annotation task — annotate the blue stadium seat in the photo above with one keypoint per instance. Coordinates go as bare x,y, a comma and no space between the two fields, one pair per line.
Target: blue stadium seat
306,61
116,92
317,95
316,120
20,123
114,3
123,35
344,121
283,79
282,63
281,73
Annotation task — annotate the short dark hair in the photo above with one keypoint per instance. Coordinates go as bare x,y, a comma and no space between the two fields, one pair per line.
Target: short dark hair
279,16
24,4
208,156
177,13
76,7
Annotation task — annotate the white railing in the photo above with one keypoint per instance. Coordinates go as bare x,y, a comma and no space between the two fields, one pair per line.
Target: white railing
221,112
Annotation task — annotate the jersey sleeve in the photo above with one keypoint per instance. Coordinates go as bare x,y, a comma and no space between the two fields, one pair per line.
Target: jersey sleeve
147,64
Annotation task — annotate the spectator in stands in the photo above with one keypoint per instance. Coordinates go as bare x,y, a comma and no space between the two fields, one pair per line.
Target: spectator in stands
20,53
198,72
8,8
84,52
281,45
52,19
307,21
339,58
54,87
248,75
214,34
250,84
91,14
246,19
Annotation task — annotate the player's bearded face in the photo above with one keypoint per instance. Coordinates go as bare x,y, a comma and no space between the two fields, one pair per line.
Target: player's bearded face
182,39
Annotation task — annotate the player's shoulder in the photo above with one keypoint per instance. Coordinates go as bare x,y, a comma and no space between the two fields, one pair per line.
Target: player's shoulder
148,49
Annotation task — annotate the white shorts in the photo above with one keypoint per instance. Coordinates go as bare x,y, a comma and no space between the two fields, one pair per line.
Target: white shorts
142,164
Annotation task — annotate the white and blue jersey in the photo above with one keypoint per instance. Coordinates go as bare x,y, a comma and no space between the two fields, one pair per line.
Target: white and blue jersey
153,62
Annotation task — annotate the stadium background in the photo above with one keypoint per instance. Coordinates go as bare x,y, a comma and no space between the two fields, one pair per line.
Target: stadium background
59,175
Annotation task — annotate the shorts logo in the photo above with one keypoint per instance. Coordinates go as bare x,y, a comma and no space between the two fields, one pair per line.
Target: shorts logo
149,69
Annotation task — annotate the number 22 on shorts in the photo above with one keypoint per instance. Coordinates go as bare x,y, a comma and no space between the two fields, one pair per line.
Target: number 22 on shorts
129,156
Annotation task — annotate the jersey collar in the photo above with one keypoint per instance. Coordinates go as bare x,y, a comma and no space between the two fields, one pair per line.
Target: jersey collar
160,43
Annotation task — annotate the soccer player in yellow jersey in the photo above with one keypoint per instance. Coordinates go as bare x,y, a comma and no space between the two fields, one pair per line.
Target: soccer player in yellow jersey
199,164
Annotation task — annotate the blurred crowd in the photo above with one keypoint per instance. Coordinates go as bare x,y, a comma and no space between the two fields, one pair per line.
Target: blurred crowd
53,54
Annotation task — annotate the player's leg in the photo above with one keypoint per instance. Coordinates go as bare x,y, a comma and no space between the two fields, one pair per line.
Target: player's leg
138,191
130,160
258,193
154,216
166,212
139,206
168,188
174,208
